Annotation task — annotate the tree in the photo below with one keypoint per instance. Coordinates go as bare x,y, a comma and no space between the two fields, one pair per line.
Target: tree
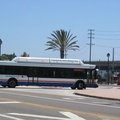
7,56
25,55
63,41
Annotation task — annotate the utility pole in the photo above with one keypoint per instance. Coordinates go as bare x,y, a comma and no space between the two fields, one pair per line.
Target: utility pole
112,81
0,46
90,37
113,62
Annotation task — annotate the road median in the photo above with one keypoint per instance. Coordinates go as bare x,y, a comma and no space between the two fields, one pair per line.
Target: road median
111,94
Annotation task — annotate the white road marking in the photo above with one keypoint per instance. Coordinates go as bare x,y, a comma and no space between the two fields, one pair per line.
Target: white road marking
72,98
68,99
68,92
55,99
8,102
70,116
6,116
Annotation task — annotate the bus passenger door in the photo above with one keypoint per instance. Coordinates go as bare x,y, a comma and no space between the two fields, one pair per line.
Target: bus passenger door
32,76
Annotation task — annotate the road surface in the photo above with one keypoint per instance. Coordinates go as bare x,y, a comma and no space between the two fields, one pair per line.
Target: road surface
36,103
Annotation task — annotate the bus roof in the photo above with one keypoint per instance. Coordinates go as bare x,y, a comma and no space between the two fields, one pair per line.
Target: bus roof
47,62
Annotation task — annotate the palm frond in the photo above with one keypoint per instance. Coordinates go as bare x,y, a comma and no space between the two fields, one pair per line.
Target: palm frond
62,40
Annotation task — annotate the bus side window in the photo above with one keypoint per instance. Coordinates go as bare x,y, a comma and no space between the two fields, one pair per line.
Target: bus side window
69,73
63,73
79,74
23,70
31,72
60,72
40,72
2,70
49,72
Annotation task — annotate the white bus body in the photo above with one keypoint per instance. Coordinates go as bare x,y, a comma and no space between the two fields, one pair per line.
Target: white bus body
47,72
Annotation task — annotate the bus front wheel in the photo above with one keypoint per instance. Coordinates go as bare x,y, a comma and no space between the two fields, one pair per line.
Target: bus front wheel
80,85
12,83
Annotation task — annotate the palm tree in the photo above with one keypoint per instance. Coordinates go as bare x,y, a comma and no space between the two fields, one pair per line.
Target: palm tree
63,41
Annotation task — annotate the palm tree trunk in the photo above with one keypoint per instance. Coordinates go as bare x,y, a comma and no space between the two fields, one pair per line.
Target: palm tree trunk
62,54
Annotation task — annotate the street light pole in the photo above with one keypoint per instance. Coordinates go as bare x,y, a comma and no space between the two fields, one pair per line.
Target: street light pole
108,55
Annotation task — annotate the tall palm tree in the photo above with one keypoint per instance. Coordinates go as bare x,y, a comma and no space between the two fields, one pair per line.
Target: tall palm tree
63,41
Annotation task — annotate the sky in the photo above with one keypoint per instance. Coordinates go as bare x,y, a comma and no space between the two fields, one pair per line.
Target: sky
25,26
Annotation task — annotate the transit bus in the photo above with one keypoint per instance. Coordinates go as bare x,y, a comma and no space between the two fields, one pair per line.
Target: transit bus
47,72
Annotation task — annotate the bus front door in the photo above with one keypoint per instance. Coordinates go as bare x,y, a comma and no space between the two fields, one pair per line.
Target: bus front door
89,78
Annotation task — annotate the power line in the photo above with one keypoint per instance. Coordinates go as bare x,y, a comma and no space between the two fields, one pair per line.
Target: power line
107,31
108,39
106,46
108,34
83,42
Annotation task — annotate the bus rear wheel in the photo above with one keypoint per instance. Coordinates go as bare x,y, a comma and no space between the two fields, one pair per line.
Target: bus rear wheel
80,85
12,83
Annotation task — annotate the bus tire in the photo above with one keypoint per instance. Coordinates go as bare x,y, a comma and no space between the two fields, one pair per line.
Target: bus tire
12,83
80,85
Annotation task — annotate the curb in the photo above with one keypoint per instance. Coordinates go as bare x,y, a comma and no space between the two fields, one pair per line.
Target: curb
97,97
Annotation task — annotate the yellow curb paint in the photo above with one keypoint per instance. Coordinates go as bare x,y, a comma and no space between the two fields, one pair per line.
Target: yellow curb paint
62,109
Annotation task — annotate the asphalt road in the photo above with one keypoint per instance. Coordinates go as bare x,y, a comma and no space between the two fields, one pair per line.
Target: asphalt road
36,103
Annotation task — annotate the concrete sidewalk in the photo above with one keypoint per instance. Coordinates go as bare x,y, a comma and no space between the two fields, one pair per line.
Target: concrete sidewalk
104,92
